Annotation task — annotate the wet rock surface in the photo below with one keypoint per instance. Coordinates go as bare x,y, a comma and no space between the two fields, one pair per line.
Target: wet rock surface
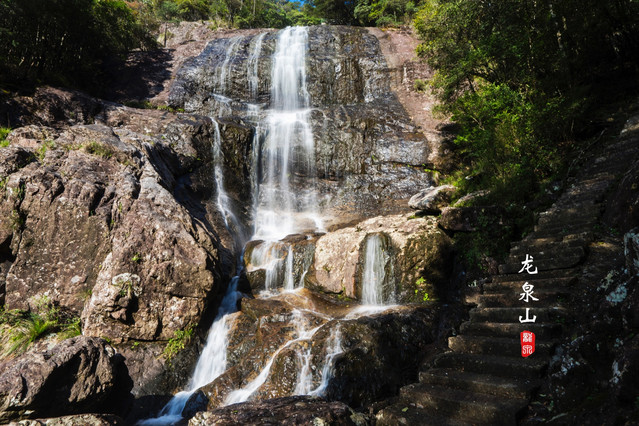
82,374
294,410
77,420
366,355
419,250
368,154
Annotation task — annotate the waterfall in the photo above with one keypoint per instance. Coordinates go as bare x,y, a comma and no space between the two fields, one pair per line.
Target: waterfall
223,200
252,66
210,365
374,276
302,333
284,201
224,69
284,204
328,371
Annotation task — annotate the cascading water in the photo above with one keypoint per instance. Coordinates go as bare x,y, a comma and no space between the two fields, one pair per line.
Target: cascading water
223,201
284,204
302,333
374,276
328,371
210,365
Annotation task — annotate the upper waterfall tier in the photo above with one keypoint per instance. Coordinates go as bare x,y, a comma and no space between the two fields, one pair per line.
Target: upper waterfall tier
326,93
286,204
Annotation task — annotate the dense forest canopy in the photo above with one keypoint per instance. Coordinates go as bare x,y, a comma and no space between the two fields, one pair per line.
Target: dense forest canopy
525,77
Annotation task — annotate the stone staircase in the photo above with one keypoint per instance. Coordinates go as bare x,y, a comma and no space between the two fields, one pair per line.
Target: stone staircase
483,379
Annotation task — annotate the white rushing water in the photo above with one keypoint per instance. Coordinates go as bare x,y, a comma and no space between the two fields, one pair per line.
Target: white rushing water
301,333
252,66
328,370
210,365
374,274
286,202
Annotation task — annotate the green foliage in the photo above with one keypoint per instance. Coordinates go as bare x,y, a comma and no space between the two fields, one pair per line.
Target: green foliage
521,78
42,150
384,13
223,13
16,219
178,342
20,329
420,85
98,149
64,41
4,132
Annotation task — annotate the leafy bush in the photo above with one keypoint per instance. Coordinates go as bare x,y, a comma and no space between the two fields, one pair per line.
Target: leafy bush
98,149
4,132
20,329
420,85
65,42
178,342
522,79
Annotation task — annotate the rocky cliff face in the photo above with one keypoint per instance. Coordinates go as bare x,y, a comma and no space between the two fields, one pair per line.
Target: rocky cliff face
369,156
114,221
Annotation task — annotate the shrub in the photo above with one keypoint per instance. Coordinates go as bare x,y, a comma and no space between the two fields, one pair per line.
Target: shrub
4,132
98,149
178,342
21,329
420,85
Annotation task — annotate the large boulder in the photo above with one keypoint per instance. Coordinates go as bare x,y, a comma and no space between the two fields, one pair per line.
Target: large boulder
418,257
431,200
292,410
117,222
112,221
79,375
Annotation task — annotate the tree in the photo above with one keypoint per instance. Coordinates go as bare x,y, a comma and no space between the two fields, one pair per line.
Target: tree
64,41
522,76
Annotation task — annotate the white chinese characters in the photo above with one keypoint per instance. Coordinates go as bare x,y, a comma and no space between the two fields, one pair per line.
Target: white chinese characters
528,265
527,288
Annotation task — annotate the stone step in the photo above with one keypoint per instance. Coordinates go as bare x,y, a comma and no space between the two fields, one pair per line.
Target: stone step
627,144
466,406
565,228
578,213
540,276
540,314
543,331
479,383
514,288
559,250
564,236
521,249
407,413
503,346
533,239
588,186
532,367
562,262
511,298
